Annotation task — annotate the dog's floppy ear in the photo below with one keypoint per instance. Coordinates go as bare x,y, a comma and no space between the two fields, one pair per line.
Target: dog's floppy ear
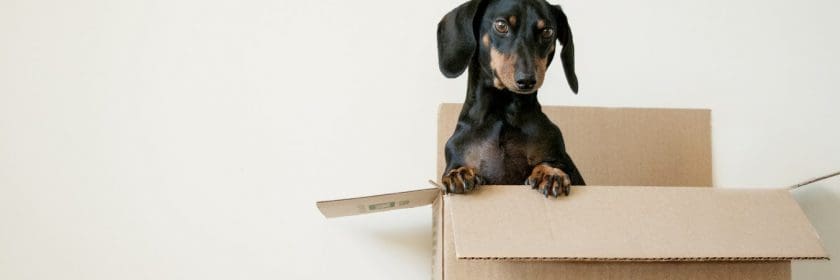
456,39
567,55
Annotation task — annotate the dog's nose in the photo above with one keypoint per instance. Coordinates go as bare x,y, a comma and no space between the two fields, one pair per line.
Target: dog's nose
525,82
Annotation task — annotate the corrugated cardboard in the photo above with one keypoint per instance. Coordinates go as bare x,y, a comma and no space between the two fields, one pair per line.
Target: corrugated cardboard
511,232
632,224
377,203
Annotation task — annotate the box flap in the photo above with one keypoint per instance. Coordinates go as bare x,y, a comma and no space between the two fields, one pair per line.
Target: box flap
377,203
632,224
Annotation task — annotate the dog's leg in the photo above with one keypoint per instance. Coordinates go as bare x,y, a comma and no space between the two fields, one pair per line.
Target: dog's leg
461,174
549,180
573,172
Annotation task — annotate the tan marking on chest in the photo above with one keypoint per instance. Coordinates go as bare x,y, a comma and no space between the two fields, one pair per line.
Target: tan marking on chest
482,151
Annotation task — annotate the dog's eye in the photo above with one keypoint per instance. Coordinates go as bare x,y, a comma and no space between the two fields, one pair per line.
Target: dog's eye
547,33
501,26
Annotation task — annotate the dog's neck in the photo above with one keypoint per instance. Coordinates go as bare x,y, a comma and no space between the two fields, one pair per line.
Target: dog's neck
485,102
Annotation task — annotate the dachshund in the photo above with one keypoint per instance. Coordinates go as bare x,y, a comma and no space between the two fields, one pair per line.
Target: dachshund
502,136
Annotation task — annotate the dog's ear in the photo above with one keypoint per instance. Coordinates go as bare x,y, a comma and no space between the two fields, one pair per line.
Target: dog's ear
567,55
456,39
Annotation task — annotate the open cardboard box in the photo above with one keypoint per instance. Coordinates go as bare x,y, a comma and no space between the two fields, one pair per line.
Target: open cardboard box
648,213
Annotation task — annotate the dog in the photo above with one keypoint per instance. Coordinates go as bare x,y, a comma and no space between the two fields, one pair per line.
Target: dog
502,136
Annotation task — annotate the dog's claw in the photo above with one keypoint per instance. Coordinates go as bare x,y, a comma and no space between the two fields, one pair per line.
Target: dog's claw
549,181
460,180
469,185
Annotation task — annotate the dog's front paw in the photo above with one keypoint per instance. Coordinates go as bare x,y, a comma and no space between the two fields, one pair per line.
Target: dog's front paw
460,180
549,180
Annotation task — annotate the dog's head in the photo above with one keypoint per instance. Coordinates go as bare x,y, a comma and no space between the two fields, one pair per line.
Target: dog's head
513,41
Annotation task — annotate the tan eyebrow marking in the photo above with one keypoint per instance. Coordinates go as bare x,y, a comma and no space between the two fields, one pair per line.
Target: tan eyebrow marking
485,40
512,20
540,24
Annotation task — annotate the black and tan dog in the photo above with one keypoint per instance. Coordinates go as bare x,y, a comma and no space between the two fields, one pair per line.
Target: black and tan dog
502,136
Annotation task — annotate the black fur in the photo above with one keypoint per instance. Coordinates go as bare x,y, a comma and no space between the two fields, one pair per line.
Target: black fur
503,135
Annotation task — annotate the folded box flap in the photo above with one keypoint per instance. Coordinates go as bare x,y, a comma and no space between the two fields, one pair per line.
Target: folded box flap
377,203
632,224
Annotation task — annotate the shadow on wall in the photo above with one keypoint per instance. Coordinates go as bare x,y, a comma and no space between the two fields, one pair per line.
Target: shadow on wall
415,240
821,202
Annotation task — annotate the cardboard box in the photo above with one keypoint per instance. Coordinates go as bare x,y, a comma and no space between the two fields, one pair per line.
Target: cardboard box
630,223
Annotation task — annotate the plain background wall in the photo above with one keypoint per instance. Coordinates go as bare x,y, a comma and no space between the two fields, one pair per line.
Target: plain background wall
189,139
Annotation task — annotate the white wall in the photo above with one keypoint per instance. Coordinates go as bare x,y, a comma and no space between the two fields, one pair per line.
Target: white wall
189,139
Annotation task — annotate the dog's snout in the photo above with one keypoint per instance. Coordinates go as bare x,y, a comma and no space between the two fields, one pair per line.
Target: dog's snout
525,81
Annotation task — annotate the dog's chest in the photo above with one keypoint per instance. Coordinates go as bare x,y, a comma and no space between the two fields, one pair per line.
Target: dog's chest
500,155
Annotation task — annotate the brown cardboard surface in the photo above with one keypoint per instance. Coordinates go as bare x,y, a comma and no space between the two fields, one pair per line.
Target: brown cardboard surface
632,224
611,146
488,269
377,203
437,239
624,146
454,268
